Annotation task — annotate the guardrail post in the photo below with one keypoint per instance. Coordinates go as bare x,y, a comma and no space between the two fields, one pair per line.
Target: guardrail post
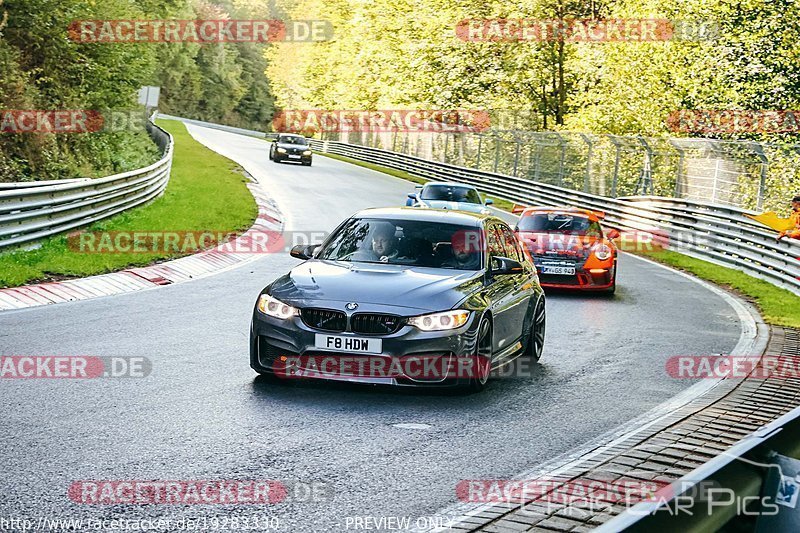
496,151
563,146
615,177
537,166
762,185
589,153
679,170
646,175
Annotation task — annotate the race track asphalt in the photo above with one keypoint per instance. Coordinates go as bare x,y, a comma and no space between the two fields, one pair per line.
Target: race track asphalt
202,414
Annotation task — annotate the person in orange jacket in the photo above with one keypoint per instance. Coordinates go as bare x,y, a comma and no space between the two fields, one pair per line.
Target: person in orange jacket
795,218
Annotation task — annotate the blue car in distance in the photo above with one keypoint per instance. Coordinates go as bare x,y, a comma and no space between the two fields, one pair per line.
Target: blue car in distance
448,195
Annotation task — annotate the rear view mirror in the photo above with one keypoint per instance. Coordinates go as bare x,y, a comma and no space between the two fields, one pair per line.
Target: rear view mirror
613,234
489,201
412,195
303,251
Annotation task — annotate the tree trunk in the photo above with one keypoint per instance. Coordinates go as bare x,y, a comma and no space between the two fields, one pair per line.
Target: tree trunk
562,90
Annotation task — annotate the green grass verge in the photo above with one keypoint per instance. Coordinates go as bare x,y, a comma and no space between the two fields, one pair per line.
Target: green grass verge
206,192
777,306
499,203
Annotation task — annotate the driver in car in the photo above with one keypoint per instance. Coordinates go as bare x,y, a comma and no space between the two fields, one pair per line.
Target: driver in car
383,247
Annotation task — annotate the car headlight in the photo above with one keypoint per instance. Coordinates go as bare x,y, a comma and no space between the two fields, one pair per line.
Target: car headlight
602,252
276,308
281,150
307,152
440,321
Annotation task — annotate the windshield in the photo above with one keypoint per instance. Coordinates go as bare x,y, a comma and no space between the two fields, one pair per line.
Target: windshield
292,139
450,193
560,222
406,242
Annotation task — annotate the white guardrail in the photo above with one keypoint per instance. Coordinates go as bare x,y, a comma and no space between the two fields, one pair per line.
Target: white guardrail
720,234
30,211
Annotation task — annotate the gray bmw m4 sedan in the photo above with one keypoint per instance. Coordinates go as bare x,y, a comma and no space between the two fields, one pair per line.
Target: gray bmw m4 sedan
403,296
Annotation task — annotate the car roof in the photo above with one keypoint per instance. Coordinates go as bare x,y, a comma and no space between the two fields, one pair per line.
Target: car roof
451,184
444,216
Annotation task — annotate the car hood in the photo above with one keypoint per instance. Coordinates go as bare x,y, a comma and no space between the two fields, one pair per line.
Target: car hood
460,206
558,244
293,146
375,287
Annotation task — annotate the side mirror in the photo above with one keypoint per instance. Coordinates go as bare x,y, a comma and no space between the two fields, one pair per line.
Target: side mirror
503,265
412,195
489,201
613,234
303,251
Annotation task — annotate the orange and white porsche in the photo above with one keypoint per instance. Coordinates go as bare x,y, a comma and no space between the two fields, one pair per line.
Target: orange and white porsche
570,248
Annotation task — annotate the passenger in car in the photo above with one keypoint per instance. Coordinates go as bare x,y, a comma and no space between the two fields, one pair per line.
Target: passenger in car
463,253
793,233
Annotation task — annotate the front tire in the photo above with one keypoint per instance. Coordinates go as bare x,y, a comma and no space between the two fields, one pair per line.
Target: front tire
538,327
483,358
611,290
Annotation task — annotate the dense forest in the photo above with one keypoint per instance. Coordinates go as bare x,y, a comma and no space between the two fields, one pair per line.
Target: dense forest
43,69
389,54
722,54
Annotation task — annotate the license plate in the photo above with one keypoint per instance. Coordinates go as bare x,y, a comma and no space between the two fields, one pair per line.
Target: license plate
294,157
560,270
337,343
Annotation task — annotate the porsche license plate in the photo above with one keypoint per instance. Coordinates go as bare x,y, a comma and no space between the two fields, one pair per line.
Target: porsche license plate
559,270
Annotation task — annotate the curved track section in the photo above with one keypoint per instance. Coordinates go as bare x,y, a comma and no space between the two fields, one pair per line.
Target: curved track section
201,414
